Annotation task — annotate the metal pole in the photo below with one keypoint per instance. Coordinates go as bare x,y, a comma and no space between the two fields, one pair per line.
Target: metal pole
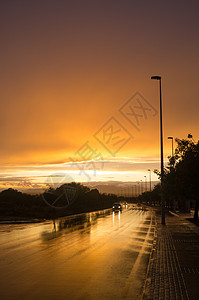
172,147
138,188
150,185
150,178
161,148
171,138
162,160
145,184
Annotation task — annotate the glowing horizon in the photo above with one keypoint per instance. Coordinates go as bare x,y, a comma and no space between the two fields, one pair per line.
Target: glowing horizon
81,75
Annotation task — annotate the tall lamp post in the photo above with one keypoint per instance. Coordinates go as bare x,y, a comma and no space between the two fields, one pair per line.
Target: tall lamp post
141,190
145,183
173,163
149,170
161,150
171,138
138,188
141,186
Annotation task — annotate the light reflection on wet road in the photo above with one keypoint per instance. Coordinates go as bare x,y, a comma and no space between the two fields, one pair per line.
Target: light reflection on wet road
101,255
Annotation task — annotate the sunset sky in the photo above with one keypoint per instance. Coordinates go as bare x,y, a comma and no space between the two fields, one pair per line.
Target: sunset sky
72,75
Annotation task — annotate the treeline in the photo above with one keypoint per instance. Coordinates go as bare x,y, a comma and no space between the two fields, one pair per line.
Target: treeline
71,198
181,178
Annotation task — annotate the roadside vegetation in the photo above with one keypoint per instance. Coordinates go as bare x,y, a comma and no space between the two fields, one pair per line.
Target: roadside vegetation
53,203
181,179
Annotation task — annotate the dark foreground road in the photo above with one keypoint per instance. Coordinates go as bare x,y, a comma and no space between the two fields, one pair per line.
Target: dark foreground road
97,255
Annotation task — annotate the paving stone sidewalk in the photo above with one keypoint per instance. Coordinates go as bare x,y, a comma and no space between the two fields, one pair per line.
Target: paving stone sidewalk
173,271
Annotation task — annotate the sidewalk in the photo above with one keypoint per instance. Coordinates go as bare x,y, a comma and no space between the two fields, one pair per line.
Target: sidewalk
173,271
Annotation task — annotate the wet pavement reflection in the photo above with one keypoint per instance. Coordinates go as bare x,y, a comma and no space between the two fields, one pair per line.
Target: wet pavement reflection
99,255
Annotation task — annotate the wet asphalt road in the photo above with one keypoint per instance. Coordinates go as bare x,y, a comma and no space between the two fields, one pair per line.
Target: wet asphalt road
101,255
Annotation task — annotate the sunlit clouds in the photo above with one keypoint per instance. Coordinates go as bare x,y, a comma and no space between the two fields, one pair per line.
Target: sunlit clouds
68,67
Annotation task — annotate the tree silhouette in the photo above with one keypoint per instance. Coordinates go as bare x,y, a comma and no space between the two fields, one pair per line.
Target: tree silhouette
181,177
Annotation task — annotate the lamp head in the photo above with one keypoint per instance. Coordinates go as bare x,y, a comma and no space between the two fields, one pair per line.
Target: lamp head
170,138
156,77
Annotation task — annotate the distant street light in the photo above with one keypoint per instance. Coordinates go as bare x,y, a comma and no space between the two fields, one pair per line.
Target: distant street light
141,186
138,188
149,170
145,183
173,163
171,138
161,150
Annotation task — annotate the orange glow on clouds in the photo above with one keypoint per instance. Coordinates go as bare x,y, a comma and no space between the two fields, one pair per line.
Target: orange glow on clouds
64,76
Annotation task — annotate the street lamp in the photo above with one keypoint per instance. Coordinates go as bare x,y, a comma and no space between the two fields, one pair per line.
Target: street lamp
149,170
145,183
141,186
161,150
171,138
138,188
173,163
